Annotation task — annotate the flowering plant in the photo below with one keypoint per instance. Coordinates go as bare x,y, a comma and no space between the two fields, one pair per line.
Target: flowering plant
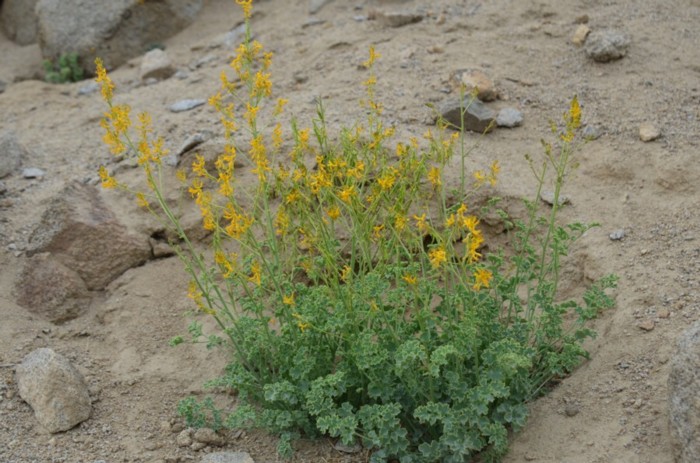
352,286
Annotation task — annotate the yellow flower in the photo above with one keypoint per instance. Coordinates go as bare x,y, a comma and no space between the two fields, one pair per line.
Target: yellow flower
387,180
434,177
347,193
410,279
480,177
279,107
277,136
470,223
281,222
238,223
262,85
575,113
493,175
345,273
421,223
181,175
226,265
437,256
288,300
373,56
255,276
107,180
247,6
482,279
106,84
196,189
300,322
292,197
141,200
377,231
198,166
333,212
400,222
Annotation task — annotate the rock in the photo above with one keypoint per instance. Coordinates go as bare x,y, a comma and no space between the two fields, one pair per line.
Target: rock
186,105
156,64
683,393
571,410
82,233
663,313
646,325
54,389
33,172
11,153
509,117
227,457
184,439
116,31
476,80
617,235
591,132
316,5
648,132
548,197
3,85
47,288
193,141
477,117
19,21
580,35
350,449
208,436
397,19
606,45
89,88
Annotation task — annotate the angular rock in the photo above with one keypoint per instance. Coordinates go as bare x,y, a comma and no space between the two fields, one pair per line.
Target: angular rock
186,105
54,389
184,439
607,45
684,397
156,64
47,288
591,132
11,153
648,132
82,233
19,21
580,35
227,457
509,117
476,80
477,117
617,235
116,31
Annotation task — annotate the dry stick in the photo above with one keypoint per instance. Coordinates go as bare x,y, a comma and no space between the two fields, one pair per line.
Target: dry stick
8,365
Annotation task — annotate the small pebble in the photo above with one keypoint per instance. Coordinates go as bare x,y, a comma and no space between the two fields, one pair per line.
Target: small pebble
647,325
33,172
571,410
88,89
580,35
607,45
648,132
664,313
591,132
186,105
617,235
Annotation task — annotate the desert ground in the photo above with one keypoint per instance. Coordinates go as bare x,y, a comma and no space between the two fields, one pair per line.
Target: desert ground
613,408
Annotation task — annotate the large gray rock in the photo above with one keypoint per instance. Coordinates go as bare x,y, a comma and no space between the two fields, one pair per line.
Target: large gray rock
11,153
116,31
47,288
684,397
54,389
607,45
477,116
83,234
19,20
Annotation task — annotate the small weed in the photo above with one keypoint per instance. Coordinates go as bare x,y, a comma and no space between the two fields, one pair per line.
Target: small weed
65,70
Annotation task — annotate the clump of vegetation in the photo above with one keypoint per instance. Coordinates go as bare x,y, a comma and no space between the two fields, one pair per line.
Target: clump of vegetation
351,284
67,69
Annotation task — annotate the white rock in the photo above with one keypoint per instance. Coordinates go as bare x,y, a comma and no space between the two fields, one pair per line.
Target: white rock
186,105
683,393
54,389
156,64
607,45
509,117
648,132
580,35
227,457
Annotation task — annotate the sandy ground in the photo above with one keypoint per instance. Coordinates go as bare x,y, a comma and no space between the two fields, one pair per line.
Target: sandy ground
611,409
